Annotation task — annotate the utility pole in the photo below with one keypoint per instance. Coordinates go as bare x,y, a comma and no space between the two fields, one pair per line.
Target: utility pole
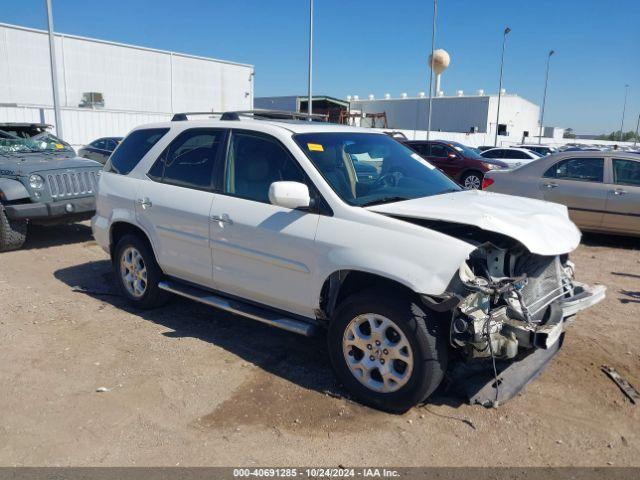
624,107
544,98
310,98
54,71
433,46
504,41
635,140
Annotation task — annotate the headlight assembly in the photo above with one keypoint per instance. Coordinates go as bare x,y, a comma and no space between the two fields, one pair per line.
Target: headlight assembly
36,182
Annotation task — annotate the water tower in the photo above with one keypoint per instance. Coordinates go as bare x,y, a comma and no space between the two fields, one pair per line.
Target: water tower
439,62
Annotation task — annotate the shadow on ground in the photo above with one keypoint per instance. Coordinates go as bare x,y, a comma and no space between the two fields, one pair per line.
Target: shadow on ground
39,236
610,240
301,360
295,358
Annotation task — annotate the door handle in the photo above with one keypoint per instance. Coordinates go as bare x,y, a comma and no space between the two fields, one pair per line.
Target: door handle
224,218
619,192
145,203
550,185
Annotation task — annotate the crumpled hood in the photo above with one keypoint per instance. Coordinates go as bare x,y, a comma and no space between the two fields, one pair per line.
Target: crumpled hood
543,227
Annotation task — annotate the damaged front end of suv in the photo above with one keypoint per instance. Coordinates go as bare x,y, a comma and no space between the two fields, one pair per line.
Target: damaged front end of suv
511,298
506,303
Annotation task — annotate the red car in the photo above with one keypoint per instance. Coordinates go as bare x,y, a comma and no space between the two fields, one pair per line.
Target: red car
463,164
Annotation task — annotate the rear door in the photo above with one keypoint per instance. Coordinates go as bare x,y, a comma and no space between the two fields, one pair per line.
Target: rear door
579,184
623,200
174,205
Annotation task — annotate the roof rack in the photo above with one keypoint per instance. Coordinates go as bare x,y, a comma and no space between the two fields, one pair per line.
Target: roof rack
259,114
182,117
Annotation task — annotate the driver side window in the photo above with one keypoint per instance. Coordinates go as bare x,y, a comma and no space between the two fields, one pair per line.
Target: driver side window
254,162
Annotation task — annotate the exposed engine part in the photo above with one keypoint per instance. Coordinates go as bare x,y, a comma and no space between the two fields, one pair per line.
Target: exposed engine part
510,301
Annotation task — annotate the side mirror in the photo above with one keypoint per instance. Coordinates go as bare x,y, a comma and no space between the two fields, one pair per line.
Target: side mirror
452,156
289,194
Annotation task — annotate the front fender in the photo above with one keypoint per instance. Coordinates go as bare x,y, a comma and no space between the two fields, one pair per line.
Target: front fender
11,190
423,260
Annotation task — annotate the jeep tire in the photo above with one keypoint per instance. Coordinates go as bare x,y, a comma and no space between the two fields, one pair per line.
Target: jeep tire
387,349
138,273
13,233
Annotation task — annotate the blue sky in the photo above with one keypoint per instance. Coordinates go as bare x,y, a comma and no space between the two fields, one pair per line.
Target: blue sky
376,46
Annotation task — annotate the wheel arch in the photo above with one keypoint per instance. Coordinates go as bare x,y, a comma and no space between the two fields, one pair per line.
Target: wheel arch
121,228
342,283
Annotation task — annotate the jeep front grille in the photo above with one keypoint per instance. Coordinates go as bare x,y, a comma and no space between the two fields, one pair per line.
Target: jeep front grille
72,184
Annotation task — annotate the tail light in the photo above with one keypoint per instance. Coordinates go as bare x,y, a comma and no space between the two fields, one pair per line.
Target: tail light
486,183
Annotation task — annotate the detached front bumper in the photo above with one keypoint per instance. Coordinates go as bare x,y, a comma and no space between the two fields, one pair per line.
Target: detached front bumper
584,296
72,209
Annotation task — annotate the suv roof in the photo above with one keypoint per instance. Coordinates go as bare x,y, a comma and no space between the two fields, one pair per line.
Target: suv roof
291,124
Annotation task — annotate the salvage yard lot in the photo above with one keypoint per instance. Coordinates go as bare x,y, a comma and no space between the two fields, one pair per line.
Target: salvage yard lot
189,385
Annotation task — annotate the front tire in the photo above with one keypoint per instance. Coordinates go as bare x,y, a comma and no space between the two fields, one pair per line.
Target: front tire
13,233
472,180
387,350
138,273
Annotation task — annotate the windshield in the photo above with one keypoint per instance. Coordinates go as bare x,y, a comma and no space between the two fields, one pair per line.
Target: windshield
44,142
393,171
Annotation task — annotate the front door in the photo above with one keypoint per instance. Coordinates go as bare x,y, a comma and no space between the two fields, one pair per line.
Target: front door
579,184
174,206
262,251
623,202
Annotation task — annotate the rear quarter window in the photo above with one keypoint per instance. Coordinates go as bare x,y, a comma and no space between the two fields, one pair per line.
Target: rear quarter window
132,149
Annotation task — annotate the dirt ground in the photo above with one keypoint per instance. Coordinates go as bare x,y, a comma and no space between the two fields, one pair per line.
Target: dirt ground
189,386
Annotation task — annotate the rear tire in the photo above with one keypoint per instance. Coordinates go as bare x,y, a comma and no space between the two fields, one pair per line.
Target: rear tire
397,377
13,233
472,180
138,273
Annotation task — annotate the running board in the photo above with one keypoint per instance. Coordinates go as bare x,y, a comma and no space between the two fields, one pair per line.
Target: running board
239,308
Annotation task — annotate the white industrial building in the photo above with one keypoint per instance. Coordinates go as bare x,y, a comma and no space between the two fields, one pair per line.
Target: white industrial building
461,113
107,88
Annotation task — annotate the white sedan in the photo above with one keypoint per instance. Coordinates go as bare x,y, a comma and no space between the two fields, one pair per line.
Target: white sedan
514,157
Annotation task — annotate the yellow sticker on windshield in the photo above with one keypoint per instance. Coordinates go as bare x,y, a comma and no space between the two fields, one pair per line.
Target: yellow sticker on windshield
59,146
315,147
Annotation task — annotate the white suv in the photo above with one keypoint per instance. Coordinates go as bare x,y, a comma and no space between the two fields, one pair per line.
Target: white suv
269,219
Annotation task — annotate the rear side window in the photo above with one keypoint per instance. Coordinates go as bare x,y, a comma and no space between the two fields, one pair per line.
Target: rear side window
493,154
189,161
99,144
626,172
582,169
132,149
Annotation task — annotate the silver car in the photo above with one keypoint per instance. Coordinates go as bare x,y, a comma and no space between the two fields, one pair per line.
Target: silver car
601,189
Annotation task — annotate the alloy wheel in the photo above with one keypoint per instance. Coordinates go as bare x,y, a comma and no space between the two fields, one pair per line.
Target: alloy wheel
133,272
377,353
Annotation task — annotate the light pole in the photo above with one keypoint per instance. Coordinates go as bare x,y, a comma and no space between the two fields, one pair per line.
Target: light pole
624,107
544,97
310,99
54,71
433,46
504,41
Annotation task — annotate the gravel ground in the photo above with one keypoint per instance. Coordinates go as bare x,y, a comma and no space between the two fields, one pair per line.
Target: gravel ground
187,385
